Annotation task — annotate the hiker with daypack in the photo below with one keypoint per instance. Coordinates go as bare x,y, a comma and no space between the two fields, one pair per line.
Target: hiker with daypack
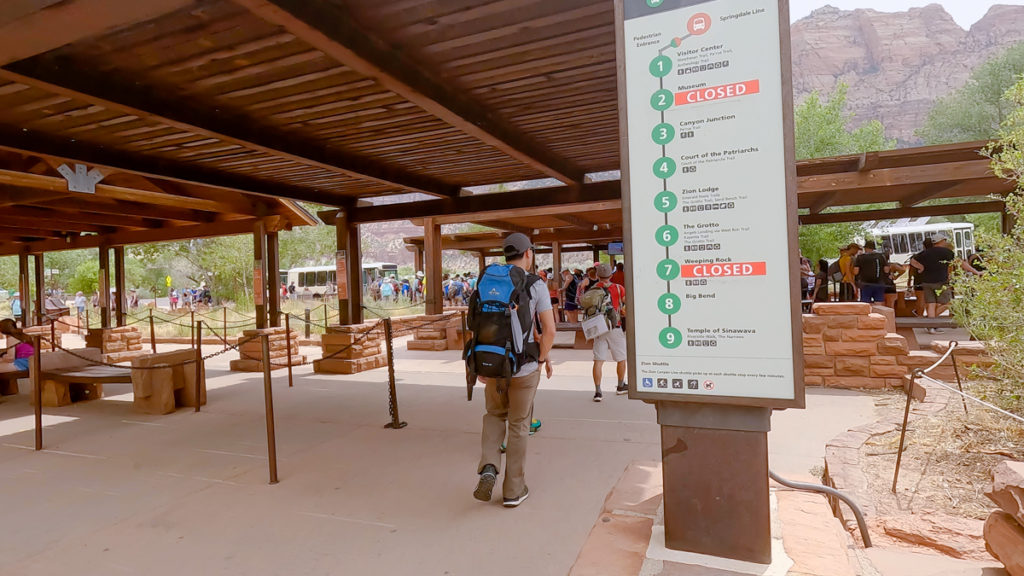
603,305
870,269
505,355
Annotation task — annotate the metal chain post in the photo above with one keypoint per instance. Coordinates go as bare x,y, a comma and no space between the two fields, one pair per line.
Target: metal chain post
903,431
152,331
395,423
307,323
288,341
37,392
224,309
199,362
268,396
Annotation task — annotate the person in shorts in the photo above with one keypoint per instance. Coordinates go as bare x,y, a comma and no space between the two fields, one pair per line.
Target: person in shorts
870,269
933,267
610,346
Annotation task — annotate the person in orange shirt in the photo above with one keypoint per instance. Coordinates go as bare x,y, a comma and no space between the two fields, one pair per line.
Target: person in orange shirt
619,276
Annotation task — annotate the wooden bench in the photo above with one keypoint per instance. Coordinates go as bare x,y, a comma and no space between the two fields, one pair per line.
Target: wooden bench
9,376
905,327
67,378
163,390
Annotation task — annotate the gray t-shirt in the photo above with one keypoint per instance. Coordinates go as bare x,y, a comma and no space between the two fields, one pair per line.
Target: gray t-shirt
540,301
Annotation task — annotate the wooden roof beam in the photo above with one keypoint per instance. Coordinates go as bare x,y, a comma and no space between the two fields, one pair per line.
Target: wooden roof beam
329,27
891,213
489,207
573,220
824,201
70,79
934,191
124,238
31,28
508,227
926,174
133,209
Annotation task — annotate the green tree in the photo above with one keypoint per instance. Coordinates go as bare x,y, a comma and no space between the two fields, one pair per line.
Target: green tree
822,130
976,110
993,304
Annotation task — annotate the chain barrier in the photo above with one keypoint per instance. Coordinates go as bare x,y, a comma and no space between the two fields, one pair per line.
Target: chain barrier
387,309
364,335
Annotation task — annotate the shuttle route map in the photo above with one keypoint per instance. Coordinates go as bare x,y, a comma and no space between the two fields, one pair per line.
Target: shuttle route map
710,252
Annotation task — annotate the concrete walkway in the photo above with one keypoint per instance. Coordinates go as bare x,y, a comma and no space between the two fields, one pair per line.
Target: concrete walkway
119,492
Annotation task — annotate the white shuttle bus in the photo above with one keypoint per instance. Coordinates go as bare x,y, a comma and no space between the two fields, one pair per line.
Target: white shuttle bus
905,237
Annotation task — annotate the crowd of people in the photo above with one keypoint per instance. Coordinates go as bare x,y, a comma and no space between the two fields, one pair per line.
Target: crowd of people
865,274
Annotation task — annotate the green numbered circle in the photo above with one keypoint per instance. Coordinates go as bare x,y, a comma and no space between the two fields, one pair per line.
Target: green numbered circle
661,100
667,235
663,133
661,66
664,167
665,201
668,269
654,3
669,304
670,337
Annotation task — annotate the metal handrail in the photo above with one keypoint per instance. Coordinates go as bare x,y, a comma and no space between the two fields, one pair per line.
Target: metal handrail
861,524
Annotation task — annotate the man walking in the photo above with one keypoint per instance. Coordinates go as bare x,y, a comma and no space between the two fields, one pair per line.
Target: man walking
871,269
610,346
933,273
510,401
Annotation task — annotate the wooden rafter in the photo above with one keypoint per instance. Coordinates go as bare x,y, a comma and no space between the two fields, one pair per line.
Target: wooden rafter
30,28
330,28
934,191
107,159
69,79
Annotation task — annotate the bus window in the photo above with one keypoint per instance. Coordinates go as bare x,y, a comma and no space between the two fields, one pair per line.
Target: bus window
958,244
968,242
321,278
332,276
887,243
901,243
310,279
916,242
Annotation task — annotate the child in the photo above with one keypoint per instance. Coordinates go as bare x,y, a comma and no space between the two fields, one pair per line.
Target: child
23,351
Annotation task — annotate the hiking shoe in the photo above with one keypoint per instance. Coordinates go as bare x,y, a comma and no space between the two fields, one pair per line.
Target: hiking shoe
534,426
486,483
513,502
622,388
502,449
597,396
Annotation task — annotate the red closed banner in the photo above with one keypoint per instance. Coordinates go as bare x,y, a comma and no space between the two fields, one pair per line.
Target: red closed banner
723,270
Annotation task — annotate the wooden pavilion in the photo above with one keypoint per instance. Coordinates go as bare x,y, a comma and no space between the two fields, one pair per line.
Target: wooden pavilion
343,103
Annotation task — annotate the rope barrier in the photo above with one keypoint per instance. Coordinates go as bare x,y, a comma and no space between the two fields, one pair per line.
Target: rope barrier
969,397
244,356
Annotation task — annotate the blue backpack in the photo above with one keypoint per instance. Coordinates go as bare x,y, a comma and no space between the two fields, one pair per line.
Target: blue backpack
500,320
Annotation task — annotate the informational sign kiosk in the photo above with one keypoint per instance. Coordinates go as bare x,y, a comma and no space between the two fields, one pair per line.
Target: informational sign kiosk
709,195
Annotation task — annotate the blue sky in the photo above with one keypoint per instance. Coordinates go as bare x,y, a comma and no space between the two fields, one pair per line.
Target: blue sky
965,12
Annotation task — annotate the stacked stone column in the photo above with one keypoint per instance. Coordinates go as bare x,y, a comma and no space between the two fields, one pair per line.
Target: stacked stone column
116,344
251,351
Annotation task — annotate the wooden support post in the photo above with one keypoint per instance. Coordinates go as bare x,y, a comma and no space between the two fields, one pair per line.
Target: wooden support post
119,286
481,262
348,266
307,323
37,296
259,274
224,311
104,287
273,289
23,288
1006,221
597,254
354,283
418,259
432,255
556,260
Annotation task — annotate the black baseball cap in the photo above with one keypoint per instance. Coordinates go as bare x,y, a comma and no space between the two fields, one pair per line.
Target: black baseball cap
517,243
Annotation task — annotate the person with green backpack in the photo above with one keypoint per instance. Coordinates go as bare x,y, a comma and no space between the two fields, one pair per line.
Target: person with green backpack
603,305
505,355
